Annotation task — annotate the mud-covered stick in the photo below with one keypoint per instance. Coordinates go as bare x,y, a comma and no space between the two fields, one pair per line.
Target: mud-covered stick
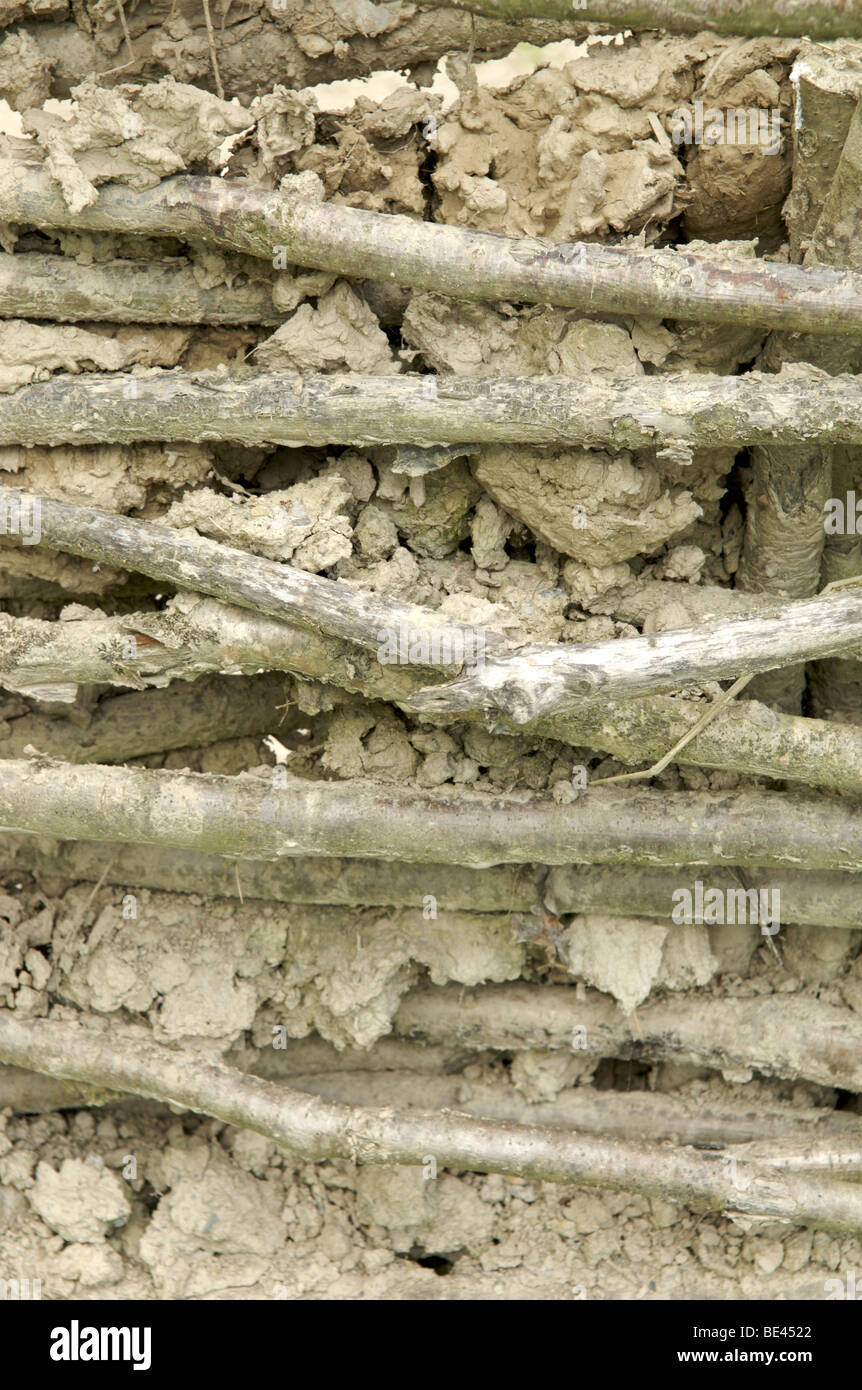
680,412
540,681
807,898
818,19
248,818
60,289
383,1076
318,1129
235,576
792,1036
193,636
465,264
185,715
532,682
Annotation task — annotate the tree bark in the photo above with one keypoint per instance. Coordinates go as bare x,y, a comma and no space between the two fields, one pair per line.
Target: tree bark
835,19
244,818
63,290
132,726
685,412
453,261
316,1130
779,1035
790,487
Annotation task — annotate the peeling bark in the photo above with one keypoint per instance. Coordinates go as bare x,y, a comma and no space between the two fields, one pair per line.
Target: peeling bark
539,681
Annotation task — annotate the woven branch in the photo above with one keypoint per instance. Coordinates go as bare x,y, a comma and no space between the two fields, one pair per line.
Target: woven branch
245,818
453,261
318,1129
680,412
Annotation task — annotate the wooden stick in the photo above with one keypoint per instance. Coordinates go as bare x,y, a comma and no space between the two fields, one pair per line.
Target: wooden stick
154,721
316,1129
247,818
819,19
532,683
450,260
192,637
687,411
33,286
808,898
193,562
327,882
790,486
812,1136
778,1035
540,681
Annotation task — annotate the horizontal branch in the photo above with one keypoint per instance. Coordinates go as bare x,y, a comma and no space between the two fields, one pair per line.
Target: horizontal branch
818,19
802,1140
454,261
533,682
821,899
808,1137
132,726
244,818
550,680
317,1129
191,637
33,286
194,562
685,411
818,899
781,1035
322,881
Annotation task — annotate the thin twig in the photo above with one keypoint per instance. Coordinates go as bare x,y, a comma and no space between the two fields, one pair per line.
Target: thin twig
212,47
126,35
